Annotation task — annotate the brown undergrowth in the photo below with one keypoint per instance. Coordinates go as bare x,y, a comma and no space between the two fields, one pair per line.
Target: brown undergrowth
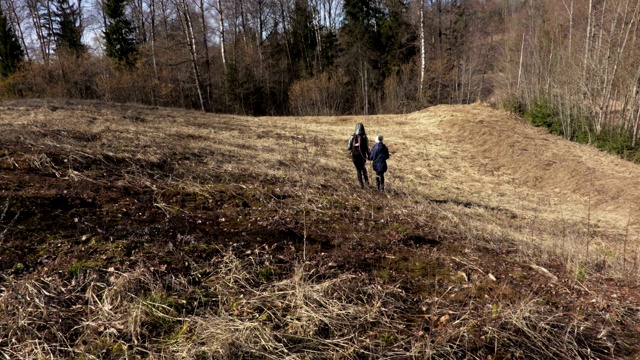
138,232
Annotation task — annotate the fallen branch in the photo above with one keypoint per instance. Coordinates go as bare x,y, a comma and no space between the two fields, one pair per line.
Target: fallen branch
544,271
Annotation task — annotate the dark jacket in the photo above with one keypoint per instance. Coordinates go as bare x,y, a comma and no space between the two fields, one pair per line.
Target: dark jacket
379,155
359,143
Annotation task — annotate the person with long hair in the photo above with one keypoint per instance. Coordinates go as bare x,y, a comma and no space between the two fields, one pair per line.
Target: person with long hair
359,146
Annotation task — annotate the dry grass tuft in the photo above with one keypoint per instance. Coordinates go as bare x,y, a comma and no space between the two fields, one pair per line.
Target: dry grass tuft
117,315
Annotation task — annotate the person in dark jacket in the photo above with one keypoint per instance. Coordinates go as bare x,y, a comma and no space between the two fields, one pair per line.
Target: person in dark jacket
379,155
359,146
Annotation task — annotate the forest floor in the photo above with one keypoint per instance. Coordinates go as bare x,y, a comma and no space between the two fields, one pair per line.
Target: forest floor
141,232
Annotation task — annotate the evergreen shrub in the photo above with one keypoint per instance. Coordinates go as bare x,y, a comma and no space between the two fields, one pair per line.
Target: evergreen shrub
544,114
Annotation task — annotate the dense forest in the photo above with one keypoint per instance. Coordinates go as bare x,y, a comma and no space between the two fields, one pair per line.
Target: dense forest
569,65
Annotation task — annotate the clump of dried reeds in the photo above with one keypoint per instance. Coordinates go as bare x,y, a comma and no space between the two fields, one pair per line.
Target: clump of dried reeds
109,314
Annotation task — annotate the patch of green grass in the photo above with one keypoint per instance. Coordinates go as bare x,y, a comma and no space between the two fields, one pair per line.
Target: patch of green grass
179,333
106,349
542,301
78,267
399,228
388,339
495,311
581,273
605,252
161,315
413,266
18,268
333,201
266,273
384,274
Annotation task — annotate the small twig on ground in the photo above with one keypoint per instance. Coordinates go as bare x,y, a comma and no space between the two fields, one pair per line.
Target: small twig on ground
469,264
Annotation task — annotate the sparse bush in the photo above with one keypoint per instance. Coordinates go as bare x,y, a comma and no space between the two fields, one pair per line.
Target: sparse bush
67,76
400,92
320,95
123,85
612,140
8,88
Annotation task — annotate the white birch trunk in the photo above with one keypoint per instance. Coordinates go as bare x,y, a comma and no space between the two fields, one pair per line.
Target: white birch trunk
423,51
520,65
222,36
587,44
152,41
191,43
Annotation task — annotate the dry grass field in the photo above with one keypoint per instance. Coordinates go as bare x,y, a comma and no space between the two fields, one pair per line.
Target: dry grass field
132,232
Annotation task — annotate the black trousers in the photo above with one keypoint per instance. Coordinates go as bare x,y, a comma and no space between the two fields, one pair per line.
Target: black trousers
359,162
380,180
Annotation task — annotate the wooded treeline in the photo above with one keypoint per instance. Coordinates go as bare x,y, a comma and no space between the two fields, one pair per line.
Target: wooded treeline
255,57
570,65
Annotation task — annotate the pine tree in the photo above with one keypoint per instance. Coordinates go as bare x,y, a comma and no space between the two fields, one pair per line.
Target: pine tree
11,53
360,21
120,43
397,38
64,26
303,40
360,37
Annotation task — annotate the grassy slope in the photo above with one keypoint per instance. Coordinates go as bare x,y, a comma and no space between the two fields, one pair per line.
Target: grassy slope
132,231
